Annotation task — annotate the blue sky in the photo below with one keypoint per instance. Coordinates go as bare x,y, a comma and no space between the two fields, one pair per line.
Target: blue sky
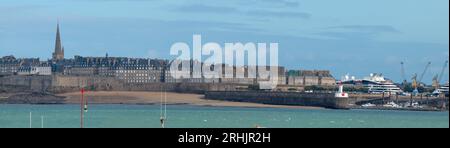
346,36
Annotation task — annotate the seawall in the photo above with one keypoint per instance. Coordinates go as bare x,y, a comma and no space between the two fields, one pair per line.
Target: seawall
62,84
25,83
326,100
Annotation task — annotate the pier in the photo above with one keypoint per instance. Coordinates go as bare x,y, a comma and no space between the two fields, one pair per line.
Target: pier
326,100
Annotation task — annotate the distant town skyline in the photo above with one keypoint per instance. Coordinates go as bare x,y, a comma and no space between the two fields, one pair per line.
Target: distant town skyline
347,36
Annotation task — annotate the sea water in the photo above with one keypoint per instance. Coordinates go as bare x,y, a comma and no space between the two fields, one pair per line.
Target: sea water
185,116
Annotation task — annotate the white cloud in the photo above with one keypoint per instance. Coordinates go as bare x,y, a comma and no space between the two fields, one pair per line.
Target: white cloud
392,60
152,53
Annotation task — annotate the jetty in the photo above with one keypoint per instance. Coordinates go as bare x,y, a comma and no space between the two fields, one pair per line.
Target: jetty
326,100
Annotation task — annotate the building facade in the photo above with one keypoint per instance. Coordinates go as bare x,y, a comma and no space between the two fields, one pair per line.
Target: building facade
310,78
129,70
9,65
35,70
230,75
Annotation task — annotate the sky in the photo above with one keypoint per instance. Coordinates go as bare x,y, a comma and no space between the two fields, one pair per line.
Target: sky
355,37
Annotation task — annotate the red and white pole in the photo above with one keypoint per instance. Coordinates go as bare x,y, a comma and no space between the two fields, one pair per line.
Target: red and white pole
81,108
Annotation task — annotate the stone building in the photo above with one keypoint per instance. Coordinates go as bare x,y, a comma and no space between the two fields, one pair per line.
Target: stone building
130,70
44,70
9,65
236,75
138,73
310,78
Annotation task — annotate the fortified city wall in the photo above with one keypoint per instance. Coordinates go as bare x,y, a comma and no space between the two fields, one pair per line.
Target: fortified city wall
61,84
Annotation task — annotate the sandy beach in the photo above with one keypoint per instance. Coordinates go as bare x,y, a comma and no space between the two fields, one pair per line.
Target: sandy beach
125,97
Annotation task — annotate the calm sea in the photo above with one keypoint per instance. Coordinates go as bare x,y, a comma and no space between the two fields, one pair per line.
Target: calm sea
147,116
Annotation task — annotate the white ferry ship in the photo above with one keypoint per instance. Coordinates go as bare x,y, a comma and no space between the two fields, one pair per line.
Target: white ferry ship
375,83
444,89
441,90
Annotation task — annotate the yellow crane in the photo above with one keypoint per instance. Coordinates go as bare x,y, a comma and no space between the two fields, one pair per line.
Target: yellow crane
414,84
437,78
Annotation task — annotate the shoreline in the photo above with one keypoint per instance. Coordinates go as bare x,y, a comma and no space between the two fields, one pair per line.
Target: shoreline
259,106
398,109
154,98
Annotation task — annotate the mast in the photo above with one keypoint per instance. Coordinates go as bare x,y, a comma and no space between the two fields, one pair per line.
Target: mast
42,121
81,108
30,121
165,104
161,102
163,116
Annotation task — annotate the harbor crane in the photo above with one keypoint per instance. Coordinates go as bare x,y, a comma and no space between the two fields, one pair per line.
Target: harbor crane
414,84
443,71
438,78
403,74
424,72
417,82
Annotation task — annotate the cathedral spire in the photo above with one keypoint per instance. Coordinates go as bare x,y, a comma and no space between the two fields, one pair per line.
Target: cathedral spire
58,40
59,51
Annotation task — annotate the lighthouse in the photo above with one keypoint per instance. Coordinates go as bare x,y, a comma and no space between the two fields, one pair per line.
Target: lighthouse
341,93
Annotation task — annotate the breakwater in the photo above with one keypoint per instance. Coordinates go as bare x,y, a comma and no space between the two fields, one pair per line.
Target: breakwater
326,100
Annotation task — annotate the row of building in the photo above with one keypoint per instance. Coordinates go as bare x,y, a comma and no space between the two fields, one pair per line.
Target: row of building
9,65
140,70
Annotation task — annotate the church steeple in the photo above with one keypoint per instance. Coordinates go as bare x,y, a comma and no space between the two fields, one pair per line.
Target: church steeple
59,51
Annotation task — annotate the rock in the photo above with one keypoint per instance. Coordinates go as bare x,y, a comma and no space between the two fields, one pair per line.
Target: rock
33,98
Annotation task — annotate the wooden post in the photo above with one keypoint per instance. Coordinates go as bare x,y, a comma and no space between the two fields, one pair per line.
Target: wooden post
411,100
